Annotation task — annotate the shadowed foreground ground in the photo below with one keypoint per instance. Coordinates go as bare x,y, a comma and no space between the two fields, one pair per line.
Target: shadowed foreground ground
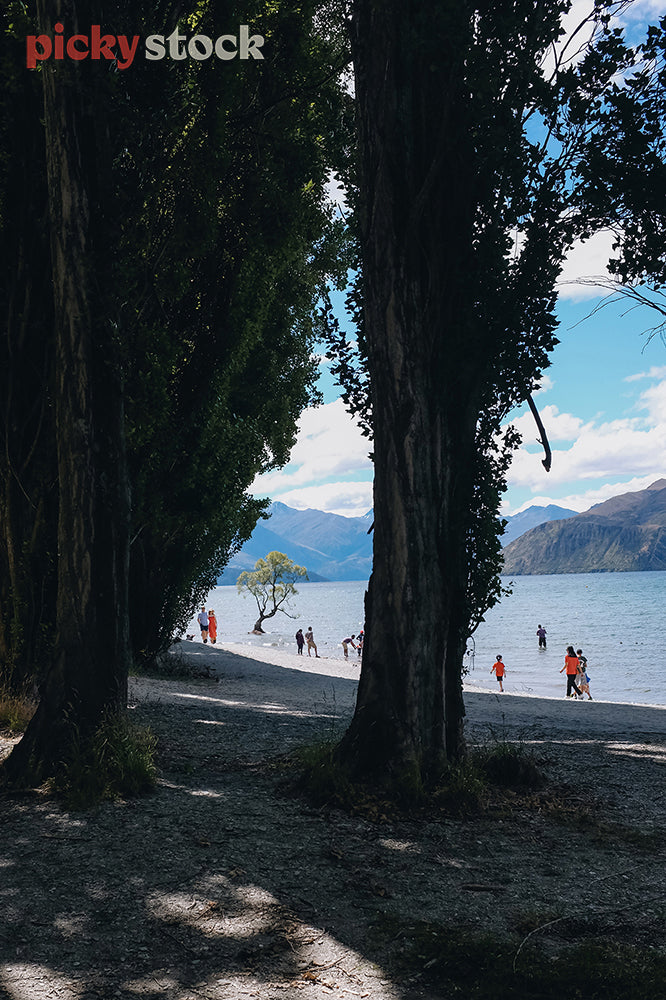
222,886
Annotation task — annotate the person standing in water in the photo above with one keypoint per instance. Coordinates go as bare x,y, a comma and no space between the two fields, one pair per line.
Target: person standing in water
541,632
499,670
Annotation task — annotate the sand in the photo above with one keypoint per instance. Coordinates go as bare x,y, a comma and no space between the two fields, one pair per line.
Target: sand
286,676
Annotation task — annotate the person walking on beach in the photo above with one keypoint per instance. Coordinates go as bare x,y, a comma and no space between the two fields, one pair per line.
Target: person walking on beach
202,618
309,638
499,670
541,632
346,643
571,667
300,641
583,679
212,626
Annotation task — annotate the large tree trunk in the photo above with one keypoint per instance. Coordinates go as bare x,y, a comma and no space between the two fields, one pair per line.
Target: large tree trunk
91,657
416,191
28,497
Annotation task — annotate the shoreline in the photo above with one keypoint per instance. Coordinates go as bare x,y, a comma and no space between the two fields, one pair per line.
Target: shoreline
285,677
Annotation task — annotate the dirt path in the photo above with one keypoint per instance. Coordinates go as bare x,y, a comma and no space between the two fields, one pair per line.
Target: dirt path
221,886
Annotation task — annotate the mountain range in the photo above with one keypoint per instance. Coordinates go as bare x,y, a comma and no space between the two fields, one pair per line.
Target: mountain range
332,547
625,533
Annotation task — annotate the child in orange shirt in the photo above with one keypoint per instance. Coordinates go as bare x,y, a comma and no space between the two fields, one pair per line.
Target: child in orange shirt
499,670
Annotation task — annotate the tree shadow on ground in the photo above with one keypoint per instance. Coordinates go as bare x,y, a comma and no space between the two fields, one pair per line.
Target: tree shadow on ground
220,886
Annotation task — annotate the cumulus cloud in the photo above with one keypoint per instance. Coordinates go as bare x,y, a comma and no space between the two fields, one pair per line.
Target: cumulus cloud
347,499
631,447
545,385
559,426
582,501
329,468
587,262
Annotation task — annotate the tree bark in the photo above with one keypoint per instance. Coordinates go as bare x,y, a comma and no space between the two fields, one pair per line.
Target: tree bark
417,197
91,657
28,498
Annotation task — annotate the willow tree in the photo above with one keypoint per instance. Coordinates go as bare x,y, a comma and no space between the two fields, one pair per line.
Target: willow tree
272,583
465,133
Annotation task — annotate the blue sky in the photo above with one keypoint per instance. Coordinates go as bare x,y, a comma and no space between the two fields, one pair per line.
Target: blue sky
603,403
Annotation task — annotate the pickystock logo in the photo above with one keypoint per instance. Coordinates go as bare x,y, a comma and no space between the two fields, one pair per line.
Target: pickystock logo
123,49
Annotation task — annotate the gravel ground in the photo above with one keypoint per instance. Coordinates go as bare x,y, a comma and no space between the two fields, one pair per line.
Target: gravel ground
221,885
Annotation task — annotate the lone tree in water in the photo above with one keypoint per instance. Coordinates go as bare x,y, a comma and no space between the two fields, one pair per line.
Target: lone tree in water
271,583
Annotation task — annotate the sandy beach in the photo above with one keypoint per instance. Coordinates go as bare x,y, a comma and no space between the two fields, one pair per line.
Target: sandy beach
303,679
224,884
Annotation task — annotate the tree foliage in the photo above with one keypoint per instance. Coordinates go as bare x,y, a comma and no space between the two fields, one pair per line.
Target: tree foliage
200,194
470,120
225,255
224,239
272,584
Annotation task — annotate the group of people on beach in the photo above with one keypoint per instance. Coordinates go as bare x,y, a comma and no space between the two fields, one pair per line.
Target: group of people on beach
208,625
309,641
575,664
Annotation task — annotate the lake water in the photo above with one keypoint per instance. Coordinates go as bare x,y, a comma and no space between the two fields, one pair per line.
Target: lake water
617,619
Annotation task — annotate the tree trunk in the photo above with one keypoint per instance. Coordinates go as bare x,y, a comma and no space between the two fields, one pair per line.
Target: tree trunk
28,498
91,657
416,192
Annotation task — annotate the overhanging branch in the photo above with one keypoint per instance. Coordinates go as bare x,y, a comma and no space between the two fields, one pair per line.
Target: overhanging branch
543,440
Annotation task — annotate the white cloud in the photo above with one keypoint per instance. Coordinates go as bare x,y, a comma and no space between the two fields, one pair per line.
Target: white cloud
582,501
587,261
632,447
654,372
329,468
559,426
644,10
347,499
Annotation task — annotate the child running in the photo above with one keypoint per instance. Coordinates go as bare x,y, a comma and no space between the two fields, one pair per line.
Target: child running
499,670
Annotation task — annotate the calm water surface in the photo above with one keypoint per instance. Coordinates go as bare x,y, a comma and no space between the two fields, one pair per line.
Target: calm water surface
617,618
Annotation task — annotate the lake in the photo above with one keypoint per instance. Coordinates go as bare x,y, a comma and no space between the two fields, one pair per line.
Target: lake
617,619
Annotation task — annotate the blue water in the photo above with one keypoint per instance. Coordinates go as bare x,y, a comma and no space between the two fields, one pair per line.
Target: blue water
617,619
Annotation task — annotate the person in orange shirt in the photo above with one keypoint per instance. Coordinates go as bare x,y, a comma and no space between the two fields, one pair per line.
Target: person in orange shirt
212,625
499,670
571,667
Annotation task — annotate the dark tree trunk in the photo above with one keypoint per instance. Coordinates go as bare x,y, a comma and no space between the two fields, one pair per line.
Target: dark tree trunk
416,192
28,498
91,658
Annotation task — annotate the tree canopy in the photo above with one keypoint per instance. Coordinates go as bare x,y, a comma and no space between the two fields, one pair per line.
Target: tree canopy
199,235
469,122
